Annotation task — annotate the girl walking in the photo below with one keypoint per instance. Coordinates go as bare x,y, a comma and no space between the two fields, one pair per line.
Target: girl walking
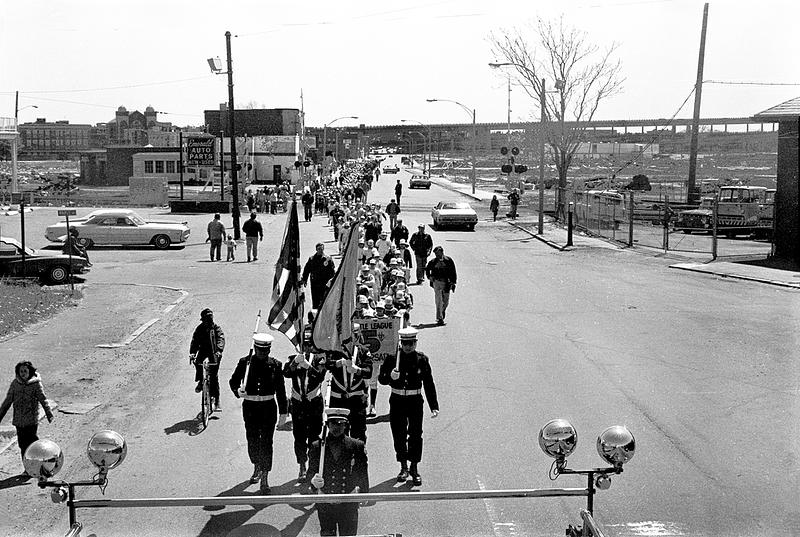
26,394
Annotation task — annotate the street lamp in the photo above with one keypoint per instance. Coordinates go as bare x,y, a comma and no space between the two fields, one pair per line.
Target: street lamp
14,147
428,143
542,126
325,134
423,148
474,132
215,64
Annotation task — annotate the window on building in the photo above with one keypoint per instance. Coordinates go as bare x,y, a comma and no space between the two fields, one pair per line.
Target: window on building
148,166
159,166
170,166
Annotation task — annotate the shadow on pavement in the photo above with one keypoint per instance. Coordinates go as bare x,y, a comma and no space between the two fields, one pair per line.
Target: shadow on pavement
15,481
234,523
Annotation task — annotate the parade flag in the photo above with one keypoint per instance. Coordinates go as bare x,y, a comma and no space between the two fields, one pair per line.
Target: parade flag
333,326
286,314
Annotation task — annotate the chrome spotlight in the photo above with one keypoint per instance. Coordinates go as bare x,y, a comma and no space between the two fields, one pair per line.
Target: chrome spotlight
43,459
616,445
558,438
107,450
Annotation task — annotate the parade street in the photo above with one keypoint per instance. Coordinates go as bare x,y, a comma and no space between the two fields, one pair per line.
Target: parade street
702,370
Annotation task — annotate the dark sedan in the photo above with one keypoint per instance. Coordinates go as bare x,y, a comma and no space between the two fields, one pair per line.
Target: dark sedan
50,267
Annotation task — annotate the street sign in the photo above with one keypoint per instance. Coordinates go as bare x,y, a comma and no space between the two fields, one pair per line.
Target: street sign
200,152
67,212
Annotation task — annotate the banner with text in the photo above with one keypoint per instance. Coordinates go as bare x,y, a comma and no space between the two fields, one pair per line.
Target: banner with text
381,336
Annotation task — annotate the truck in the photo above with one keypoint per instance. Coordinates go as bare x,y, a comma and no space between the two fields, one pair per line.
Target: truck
741,210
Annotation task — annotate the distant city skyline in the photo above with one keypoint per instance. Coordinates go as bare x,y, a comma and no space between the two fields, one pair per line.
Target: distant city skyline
379,62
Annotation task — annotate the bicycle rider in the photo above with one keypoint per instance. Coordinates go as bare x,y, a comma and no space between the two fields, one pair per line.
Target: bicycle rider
208,341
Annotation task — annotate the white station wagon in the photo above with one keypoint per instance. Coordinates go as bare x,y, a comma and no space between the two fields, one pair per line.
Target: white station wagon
120,226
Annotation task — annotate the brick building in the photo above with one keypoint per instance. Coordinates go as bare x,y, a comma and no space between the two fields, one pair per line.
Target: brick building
59,140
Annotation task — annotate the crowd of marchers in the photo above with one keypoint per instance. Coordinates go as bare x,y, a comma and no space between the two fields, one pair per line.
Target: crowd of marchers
333,393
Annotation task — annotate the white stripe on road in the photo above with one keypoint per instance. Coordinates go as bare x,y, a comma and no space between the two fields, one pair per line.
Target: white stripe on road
130,339
501,529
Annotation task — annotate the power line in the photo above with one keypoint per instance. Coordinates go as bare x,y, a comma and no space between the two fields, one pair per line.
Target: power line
109,107
734,83
657,136
143,85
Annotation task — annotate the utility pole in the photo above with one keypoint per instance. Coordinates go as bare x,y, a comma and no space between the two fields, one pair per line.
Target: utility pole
698,91
542,105
232,135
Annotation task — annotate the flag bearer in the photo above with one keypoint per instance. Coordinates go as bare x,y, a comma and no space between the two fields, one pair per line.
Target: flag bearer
307,372
408,373
259,381
349,377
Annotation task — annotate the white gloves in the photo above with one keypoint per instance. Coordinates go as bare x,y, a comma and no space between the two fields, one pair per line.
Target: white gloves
281,420
434,413
341,362
350,367
395,374
317,482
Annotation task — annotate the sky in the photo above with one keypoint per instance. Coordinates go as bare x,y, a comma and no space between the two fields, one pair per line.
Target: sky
79,60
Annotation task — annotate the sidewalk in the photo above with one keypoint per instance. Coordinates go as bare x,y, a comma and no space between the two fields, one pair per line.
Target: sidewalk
555,236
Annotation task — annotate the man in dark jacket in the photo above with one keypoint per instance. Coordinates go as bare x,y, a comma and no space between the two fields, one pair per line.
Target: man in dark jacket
338,464
408,373
253,233
321,269
259,381
441,272
422,244
398,191
308,202
400,232
208,341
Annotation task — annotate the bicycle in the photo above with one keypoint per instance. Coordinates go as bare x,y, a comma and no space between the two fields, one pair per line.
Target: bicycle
206,407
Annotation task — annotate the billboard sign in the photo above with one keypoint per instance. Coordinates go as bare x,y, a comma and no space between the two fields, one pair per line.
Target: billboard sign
200,152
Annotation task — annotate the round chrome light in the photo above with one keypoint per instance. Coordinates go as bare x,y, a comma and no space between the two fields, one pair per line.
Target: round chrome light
616,445
558,438
43,459
107,450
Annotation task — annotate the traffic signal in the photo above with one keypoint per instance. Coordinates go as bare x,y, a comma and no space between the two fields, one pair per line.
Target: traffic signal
515,151
504,150
520,168
506,168
297,164
307,163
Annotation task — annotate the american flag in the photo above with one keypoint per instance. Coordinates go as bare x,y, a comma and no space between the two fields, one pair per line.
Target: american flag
286,314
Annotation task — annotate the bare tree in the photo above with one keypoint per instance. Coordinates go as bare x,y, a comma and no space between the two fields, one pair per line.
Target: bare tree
582,76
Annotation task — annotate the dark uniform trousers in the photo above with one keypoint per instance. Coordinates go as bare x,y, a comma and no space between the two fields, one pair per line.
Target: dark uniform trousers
260,418
350,391
345,468
265,397
406,401
307,403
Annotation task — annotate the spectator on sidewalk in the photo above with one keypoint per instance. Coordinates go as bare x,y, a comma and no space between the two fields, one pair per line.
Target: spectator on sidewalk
494,206
216,234
26,394
253,233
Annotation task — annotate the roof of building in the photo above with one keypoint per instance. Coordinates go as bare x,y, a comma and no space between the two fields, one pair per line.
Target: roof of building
788,109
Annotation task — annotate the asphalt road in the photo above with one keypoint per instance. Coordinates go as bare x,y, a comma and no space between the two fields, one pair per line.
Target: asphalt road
701,370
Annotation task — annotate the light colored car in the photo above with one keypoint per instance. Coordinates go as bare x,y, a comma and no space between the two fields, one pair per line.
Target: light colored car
419,181
50,267
120,226
454,213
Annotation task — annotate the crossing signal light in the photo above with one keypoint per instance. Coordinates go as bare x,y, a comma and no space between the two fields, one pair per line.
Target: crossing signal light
515,151
520,168
504,150
506,168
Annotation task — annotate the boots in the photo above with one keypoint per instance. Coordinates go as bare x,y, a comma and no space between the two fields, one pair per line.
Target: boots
415,477
256,475
403,475
265,483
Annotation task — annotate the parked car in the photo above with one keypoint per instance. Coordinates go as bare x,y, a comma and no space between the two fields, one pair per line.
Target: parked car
120,226
390,169
452,213
419,181
50,267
